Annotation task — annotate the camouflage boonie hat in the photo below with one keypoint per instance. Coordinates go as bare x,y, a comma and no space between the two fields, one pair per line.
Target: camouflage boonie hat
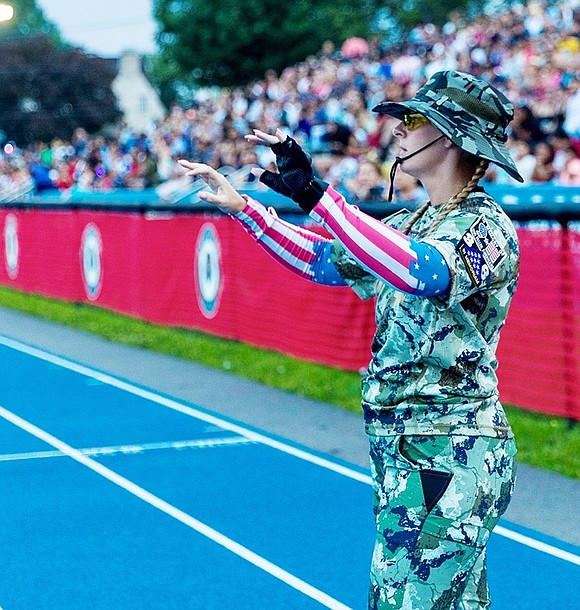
468,110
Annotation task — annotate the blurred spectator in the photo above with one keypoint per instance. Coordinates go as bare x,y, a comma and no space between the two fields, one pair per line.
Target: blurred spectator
15,178
521,151
335,141
563,150
572,119
40,173
525,125
570,176
64,178
531,51
367,185
544,168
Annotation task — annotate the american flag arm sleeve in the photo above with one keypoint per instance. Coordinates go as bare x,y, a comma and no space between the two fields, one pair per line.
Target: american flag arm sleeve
408,265
303,252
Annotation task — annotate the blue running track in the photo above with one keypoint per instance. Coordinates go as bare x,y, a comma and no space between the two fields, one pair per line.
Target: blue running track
114,497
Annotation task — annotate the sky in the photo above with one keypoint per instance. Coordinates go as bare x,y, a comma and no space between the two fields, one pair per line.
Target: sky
104,27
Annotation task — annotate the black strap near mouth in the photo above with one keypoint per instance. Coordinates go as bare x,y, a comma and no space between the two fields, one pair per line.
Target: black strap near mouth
399,160
392,173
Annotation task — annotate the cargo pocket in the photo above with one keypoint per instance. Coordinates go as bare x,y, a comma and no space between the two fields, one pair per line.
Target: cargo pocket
419,452
434,485
442,529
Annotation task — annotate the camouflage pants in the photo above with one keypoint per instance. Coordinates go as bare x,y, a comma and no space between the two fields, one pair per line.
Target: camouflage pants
436,500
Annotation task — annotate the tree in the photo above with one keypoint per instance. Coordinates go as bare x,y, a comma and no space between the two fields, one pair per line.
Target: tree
231,42
410,13
46,91
28,20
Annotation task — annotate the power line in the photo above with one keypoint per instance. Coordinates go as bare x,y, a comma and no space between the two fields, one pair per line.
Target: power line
109,25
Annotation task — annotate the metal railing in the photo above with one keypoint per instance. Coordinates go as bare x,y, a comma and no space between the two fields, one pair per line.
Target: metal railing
533,202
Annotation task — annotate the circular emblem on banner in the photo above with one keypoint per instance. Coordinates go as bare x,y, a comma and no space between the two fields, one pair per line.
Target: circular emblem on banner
11,249
91,247
208,275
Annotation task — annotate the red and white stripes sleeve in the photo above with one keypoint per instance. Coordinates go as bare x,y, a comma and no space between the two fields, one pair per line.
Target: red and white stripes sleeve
408,265
383,251
293,246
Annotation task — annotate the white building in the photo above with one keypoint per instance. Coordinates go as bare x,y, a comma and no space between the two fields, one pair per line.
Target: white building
136,96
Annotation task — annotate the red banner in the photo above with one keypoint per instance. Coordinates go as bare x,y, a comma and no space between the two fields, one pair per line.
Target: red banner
203,272
539,351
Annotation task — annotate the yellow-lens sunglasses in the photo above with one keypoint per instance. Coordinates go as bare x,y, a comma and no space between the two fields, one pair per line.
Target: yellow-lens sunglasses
414,120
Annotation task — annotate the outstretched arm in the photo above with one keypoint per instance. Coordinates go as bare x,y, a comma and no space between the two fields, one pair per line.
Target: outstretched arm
409,265
303,252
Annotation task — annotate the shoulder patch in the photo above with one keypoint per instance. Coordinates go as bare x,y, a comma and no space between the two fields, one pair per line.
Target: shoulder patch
480,251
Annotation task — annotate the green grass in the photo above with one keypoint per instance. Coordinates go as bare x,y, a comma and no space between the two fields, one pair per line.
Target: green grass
543,441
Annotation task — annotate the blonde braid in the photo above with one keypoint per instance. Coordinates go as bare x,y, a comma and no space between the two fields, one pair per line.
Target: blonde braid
447,207
458,199
418,213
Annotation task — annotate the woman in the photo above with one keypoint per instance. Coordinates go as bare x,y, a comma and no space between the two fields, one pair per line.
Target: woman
442,451
366,185
544,170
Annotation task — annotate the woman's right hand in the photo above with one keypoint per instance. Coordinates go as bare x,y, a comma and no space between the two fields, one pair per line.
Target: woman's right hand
224,196
295,176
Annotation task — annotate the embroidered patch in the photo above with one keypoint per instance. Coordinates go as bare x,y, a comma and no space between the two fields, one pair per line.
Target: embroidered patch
480,251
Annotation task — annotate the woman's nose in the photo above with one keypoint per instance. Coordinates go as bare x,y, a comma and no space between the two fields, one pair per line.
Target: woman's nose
399,130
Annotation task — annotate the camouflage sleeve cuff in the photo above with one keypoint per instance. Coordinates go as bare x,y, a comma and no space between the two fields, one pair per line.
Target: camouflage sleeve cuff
363,283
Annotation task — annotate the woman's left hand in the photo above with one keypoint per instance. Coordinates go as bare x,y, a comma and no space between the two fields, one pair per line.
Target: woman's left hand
224,196
295,177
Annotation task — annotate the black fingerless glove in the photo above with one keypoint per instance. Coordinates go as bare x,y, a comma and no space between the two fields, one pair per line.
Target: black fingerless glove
296,178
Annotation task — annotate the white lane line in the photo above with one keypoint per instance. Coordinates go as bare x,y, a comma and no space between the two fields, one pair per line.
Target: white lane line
537,544
249,434
132,449
172,511
176,406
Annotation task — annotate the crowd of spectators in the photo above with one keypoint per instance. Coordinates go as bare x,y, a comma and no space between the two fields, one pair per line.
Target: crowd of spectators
530,51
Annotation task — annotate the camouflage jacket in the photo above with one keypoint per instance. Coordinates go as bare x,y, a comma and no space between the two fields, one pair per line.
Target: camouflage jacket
433,366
